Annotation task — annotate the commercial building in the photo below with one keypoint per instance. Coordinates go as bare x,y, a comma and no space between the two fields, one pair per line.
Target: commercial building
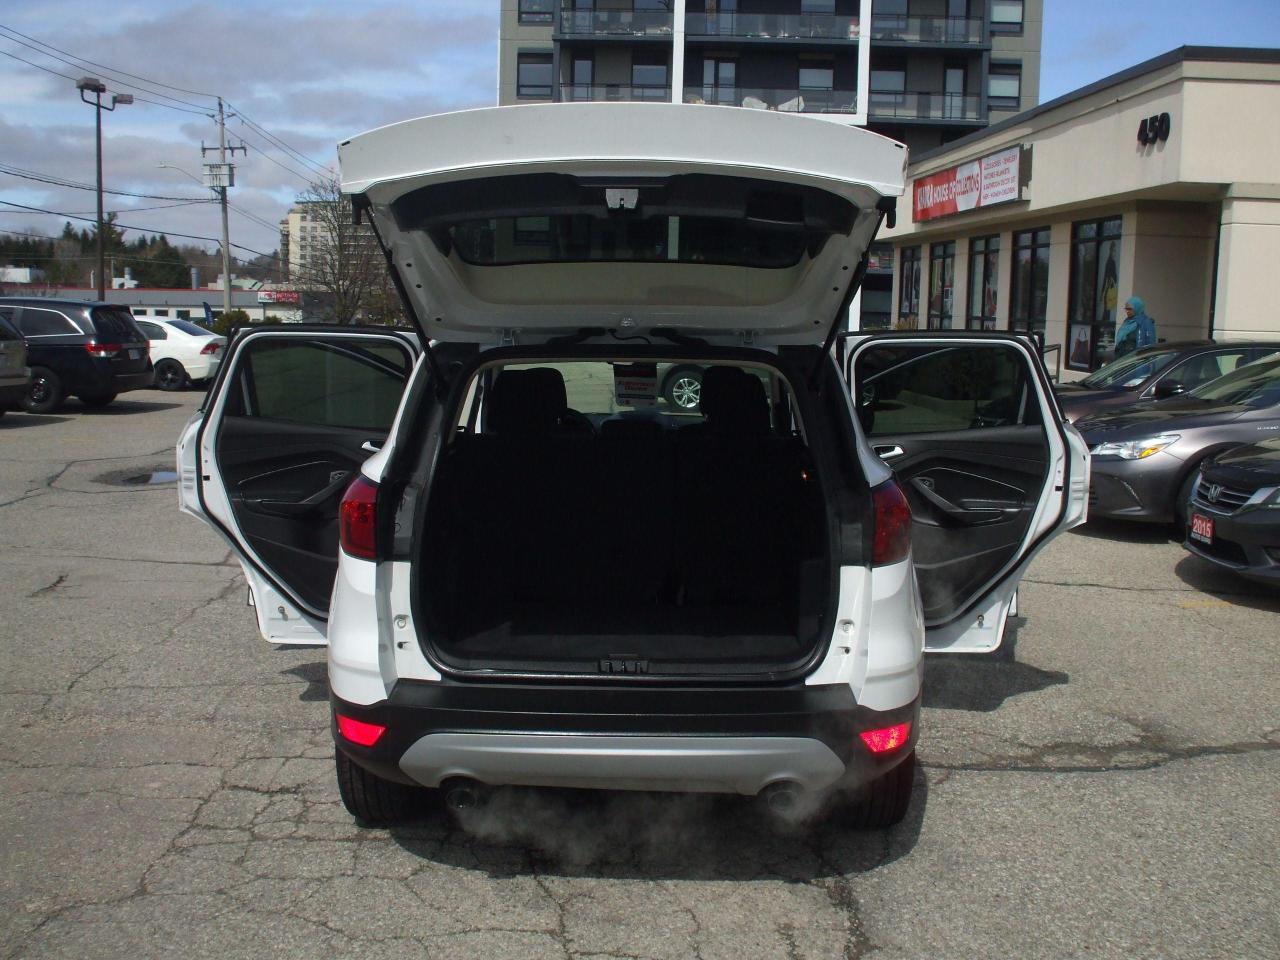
1160,181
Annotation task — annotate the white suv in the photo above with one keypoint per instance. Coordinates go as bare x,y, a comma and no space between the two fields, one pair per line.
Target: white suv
546,574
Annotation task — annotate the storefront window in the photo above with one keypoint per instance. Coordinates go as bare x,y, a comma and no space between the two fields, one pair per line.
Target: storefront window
1029,291
1095,278
984,254
942,277
909,290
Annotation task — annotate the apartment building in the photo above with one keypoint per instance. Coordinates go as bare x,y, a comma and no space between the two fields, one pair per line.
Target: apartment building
925,72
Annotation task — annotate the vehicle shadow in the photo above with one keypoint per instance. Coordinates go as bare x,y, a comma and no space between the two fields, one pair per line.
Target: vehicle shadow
316,677
651,836
1226,586
1128,530
981,683
123,408
16,421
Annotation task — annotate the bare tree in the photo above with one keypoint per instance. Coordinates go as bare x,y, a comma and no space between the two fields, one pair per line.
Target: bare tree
345,268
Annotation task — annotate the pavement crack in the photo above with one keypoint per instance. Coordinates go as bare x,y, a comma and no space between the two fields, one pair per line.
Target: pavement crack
1134,756
49,588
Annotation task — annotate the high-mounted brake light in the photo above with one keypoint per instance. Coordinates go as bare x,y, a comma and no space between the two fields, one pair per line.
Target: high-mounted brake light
357,519
892,538
95,349
887,738
358,731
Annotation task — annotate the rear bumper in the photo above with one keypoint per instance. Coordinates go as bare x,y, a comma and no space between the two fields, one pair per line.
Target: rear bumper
717,740
11,394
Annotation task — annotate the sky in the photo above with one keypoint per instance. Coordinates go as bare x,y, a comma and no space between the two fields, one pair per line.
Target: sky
300,77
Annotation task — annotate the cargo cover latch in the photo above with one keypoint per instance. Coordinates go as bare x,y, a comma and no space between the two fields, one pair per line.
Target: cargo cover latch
623,665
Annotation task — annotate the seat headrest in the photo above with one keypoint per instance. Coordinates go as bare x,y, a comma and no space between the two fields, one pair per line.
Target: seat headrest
527,401
733,402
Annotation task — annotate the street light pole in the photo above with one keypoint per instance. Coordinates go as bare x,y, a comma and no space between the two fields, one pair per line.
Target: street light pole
98,88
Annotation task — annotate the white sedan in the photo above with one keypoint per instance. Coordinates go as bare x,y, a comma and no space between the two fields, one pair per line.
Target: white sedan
182,351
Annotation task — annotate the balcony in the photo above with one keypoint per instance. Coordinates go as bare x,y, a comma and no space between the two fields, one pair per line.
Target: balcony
933,105
614,92
930,31
786,100
771,26
620,24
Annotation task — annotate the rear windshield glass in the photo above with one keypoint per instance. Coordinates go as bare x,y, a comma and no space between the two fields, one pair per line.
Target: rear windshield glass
691,218
115,324
1131,370
600,397
186,326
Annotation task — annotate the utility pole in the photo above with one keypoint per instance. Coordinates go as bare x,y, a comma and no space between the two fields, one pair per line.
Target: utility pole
98,88
221,176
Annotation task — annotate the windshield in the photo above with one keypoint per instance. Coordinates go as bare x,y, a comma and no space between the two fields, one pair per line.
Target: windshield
1128,372
1254,385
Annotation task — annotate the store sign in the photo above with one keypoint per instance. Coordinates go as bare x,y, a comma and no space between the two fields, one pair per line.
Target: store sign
995,178
280,296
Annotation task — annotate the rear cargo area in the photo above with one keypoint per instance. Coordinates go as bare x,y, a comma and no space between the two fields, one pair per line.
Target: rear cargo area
701,549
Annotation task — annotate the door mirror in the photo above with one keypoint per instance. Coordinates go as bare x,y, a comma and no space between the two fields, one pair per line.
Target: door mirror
1169,388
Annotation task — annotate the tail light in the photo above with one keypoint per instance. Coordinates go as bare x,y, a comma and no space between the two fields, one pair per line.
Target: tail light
887,738
210,348
360,732
96,349
892,540
357,519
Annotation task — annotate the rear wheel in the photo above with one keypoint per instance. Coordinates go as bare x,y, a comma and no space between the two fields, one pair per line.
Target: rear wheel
45,393
884,801
98,399
170,375
373,800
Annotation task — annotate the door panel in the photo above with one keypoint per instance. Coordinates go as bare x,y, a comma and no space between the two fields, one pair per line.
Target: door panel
976,442
285,430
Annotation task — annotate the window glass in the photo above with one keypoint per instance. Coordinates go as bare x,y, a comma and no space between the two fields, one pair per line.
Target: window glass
1255,385
1004,83
537,11
186,326
984,254
160,312
345,382
39,322
1094,286
115,323
1129,371
153,331
942,275
927,388
817,77
889,81
1007,13
1195,371
648,72
909,290
533,76
182,314
1029,293
7,330
817,6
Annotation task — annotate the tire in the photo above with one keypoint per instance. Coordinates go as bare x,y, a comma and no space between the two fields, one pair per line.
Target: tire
372,800
170,375
683,388
45,393
98,400
883,802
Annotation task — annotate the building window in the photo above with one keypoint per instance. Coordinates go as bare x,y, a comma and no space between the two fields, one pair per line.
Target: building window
183,314
649,76
583,76
537,11
909,289
888,89
942,276
1029,291
984,255
1006,16
533,76
1095,279
719,80
818,6
160,313
1004,86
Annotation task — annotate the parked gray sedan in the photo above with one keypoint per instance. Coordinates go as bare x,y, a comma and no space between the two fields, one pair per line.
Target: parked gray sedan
1145,457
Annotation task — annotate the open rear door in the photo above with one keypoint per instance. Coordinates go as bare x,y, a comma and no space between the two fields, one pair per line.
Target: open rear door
969,425
294,413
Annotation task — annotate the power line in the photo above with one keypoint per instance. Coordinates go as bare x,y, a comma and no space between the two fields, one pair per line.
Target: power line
131,226
298,154
77,185
29,63
78,63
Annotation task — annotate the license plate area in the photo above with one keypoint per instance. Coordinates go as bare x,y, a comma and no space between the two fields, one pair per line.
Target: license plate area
134,354
1201,528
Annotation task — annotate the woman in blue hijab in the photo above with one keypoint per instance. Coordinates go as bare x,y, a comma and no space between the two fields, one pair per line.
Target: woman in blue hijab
1138,329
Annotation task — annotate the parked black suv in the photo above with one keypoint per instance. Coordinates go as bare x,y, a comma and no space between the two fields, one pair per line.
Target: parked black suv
87,349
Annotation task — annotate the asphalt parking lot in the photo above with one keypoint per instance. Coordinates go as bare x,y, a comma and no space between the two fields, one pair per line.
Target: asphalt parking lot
166,779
